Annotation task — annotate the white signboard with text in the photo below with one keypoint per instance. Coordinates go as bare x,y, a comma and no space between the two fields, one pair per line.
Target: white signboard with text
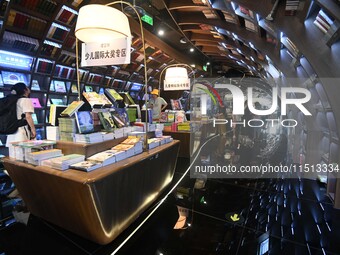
176,84
109,53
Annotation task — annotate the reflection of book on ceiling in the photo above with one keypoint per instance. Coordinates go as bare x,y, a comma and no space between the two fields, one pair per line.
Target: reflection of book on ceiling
72,108
86,165
84,122
105,157
57,101
35,85
106,119
59,86
36,102
176,104
55,112
113,95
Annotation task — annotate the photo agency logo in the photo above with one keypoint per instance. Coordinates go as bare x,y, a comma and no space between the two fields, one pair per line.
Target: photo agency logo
241,101
248,128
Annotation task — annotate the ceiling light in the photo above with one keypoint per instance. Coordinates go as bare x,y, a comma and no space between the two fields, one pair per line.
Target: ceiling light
108,26
183,40
161,32
192,49
208,63
193,65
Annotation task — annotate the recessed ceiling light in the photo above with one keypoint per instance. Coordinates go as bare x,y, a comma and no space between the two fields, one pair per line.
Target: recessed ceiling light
183,40
208,63
193,65
192,49
161,32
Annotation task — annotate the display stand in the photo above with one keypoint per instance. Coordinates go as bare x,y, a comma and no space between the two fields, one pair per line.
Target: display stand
97,205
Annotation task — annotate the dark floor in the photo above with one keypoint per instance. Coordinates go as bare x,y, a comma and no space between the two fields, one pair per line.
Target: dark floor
294,215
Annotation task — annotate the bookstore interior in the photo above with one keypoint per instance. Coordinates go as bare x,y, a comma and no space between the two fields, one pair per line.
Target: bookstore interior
159,121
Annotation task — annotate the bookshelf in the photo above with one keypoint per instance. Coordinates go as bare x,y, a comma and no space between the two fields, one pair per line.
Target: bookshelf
43,30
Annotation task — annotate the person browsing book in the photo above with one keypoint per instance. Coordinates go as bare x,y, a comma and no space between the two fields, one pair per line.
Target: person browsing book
24,106
157,104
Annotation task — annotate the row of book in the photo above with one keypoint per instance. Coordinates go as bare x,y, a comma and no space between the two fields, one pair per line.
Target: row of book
45,7
64,72
291,7
323,21
26,22
67,15
21,150
20,42
57,32
49,48
66,57
44,66
173,116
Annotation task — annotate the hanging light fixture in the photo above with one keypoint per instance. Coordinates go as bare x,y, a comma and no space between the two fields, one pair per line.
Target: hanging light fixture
102,23
176,74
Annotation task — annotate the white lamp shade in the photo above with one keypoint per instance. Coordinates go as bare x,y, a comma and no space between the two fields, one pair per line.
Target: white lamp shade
175,73
100,23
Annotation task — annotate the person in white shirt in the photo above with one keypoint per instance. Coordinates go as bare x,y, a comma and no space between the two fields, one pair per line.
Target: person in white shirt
24,106
157,104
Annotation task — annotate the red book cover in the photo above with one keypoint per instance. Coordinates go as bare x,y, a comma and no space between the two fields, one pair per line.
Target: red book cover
64,16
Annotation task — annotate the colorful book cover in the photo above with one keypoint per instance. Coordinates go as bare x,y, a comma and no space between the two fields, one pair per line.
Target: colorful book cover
84,122
86,166
123,115
59,86
72,108
176,104
113,95
106,119
35,85
35,119
119,123
36,102
74,88
57,101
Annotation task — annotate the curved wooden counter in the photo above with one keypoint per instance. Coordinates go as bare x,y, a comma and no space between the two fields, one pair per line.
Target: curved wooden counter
100,204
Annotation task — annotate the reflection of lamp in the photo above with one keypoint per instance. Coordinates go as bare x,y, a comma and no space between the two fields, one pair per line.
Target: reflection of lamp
102,23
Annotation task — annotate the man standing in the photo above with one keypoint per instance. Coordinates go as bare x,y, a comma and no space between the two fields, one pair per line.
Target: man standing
157,104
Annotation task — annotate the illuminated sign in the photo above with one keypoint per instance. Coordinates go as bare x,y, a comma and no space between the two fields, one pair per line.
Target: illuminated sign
147,19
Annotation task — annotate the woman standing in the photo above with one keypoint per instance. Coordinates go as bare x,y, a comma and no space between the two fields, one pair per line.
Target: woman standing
24,106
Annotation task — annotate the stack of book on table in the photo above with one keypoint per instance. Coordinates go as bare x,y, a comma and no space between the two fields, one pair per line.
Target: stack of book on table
89,138
63,162
37,157
21,150
136,142
127,148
